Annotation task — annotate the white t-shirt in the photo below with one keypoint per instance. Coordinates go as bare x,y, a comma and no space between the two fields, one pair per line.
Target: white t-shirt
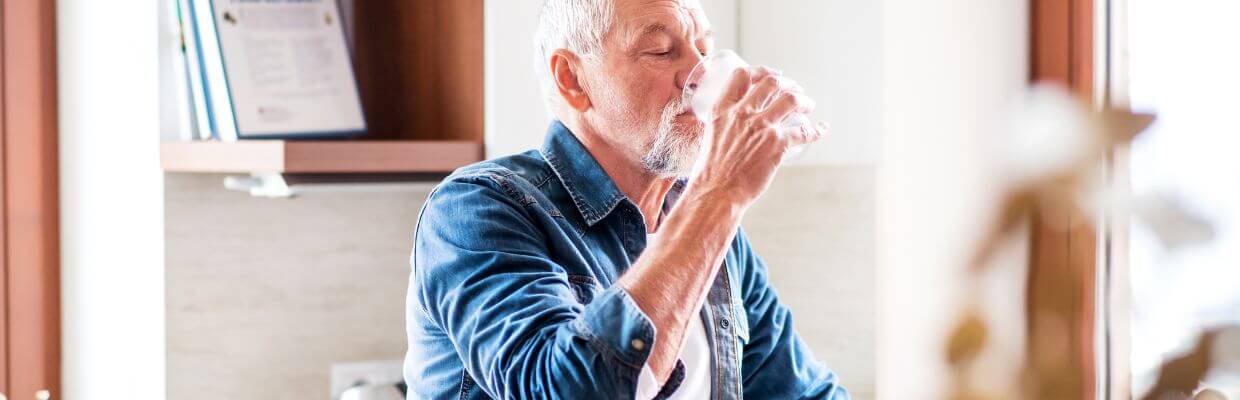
694,354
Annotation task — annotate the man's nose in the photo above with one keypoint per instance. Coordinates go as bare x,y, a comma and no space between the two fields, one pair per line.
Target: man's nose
683,71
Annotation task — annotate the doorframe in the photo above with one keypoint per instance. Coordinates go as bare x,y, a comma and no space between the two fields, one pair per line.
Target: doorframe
1063,42
30,199
4,242
1116,296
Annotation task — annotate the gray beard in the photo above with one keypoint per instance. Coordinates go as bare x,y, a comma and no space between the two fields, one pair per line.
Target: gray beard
674,148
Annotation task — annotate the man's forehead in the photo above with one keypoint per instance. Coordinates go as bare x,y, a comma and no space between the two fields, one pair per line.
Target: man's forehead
637,18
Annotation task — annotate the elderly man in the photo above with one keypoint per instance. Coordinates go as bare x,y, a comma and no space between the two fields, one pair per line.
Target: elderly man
610,264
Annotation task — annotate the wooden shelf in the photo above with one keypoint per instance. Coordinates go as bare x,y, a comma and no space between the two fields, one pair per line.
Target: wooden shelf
419,65
314,157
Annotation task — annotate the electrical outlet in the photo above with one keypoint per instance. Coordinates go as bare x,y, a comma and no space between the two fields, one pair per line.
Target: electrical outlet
365,373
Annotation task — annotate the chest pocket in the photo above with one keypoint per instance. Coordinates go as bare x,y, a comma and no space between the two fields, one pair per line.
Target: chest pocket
584,288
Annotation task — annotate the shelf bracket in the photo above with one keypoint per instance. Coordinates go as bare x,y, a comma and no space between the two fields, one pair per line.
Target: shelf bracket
260,185
284,186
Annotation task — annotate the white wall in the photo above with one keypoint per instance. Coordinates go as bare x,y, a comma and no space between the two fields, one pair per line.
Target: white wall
834,48
111,200
515,116
951,67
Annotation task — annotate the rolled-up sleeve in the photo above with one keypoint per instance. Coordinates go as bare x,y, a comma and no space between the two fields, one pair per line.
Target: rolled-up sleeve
777,363
482,274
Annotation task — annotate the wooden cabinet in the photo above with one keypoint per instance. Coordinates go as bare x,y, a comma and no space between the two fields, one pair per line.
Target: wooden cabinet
419,66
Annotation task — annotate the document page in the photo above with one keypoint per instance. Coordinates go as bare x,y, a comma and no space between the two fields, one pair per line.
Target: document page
288,67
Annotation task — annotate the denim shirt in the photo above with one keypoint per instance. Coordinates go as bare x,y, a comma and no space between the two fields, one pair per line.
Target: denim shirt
513,293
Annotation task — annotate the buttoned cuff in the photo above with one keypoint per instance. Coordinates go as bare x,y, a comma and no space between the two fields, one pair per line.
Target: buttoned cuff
615,322
647,383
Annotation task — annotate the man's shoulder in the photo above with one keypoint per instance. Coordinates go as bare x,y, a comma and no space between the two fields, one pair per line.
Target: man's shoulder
517,176
480,202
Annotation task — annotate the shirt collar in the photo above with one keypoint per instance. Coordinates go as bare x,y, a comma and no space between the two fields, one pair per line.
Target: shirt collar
592,190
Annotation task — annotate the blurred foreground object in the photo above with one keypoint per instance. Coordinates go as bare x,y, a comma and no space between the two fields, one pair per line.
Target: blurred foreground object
1050,162
1181,376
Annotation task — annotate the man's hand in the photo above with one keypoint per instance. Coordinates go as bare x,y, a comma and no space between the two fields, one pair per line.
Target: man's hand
741,153
745,143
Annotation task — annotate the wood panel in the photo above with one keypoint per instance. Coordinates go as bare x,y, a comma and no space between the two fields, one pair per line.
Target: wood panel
31,197
4,271
1063,266
403,156
1063,44
1051,40
420,68
217,157
395,156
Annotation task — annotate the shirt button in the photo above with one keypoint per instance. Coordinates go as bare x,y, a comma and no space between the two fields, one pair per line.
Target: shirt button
723,323
638,344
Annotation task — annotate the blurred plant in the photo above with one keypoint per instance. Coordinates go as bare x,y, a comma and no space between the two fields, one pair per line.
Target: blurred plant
1049,163
1173,224
1181,376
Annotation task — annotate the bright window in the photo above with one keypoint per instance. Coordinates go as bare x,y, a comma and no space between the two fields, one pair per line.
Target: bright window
1184,65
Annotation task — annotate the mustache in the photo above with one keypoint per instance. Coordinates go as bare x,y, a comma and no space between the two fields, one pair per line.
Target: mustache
670,111
676,107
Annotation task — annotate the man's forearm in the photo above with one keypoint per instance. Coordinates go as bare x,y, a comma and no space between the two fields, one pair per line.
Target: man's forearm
670,280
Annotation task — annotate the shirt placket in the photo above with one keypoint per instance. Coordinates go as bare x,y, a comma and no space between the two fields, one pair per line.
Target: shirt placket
726,382
719,312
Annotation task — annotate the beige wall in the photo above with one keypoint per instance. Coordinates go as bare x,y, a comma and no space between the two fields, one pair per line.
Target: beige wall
263,295
951,71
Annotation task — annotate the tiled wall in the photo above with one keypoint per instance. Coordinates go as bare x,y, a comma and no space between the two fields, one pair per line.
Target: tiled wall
264,294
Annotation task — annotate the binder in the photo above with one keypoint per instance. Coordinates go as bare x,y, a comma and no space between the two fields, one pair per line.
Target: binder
276,69
192,79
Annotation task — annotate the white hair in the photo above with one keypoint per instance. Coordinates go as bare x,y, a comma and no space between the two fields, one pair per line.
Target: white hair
576,25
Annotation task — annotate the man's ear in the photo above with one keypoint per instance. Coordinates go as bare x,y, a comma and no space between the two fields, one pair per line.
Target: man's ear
564,72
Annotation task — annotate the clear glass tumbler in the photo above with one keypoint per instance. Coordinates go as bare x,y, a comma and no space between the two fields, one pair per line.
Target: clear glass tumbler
707,82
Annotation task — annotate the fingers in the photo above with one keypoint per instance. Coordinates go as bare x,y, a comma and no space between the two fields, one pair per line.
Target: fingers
766,90
758,73
761,94
738,87
786,104
742,84
764,98
770,86
806,134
